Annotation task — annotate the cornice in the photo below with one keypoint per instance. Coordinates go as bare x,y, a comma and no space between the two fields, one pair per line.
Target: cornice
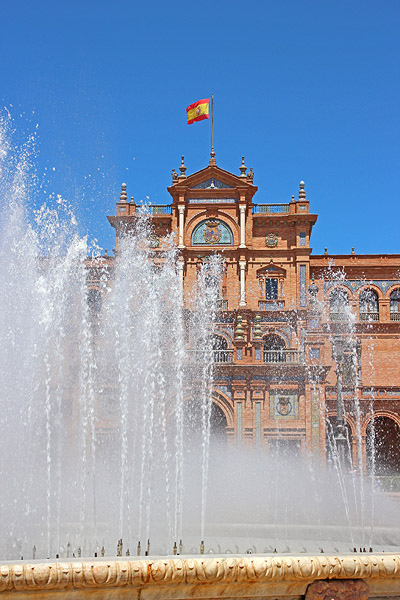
99,575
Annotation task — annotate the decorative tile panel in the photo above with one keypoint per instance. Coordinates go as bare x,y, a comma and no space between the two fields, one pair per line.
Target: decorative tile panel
212,232
212,201
210,184
284,406
303,285
355,284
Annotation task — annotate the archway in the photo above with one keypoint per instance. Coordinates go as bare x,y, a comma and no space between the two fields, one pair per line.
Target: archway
383,442
218,424
274,348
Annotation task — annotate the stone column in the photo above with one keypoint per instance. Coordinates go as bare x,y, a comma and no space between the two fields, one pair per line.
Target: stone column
181,210
242,266
242,209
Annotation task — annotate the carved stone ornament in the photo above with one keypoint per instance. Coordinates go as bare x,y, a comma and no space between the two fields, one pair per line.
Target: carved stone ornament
271,240
198,576
338,589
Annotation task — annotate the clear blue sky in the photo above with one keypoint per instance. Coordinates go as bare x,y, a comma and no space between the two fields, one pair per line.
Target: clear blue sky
304,89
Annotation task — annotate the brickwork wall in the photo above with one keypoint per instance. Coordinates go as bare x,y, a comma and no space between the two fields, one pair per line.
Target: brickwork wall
287,400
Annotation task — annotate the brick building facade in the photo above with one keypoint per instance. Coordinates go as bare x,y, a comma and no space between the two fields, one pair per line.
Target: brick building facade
299,336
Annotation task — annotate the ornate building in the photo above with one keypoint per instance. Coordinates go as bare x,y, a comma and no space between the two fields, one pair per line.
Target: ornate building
307,347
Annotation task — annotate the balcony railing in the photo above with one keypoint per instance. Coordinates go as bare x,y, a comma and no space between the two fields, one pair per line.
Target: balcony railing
267,209
223,356
282,356
369,316
395,316
339,316
271,304
156,209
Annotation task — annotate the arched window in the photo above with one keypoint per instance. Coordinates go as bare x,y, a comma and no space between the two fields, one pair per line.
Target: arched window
274,349
395,305
220,349
338,305
212,232
383,439
369,305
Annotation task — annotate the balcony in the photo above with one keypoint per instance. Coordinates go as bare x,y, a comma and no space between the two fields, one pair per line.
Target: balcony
268,209
369,316
223,356
271,304
339,317
395,316
156,209
283,356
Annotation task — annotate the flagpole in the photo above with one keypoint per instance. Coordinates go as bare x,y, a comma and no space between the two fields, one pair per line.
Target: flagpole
212,129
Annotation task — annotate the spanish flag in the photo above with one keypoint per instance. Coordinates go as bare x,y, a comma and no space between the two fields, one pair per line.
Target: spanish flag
198,111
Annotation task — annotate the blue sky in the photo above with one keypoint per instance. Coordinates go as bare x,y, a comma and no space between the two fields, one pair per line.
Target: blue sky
305,90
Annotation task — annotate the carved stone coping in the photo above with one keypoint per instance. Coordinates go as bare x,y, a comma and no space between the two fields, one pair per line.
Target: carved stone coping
198,577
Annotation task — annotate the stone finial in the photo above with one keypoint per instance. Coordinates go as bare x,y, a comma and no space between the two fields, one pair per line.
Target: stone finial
132,200
182,169
105,252
250,175
242,168
292,200
212,161
257,331
123,197
325,250
239,331
174,176
353,251
302,192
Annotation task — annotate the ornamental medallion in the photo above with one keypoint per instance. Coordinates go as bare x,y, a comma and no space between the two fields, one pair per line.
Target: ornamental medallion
212,232
271,240
284,406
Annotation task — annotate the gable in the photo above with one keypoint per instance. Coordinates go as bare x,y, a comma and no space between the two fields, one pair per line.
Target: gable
211,184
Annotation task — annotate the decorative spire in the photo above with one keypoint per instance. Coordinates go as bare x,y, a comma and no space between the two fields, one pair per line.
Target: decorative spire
257,331
182,169
239,331
242,168
212,161
302,193
250,175
123,197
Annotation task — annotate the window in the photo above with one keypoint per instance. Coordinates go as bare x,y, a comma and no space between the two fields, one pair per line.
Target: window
302,238
315,353
369,305
395,305
271,289
274,349
338,305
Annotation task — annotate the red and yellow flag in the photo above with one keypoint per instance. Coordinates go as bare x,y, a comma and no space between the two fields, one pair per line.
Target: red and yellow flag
198,111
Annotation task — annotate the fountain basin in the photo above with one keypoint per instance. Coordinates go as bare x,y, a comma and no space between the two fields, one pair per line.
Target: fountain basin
201,577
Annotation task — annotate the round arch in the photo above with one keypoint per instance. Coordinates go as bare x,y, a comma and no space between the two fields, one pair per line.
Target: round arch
382,443
369,286
200,217
225,404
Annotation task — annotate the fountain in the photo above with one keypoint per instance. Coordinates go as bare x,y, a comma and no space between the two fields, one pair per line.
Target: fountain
107,448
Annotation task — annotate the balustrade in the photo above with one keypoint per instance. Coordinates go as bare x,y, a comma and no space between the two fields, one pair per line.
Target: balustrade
283,356
265,209
369,316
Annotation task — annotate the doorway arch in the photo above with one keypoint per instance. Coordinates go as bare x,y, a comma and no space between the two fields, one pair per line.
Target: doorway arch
383,441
